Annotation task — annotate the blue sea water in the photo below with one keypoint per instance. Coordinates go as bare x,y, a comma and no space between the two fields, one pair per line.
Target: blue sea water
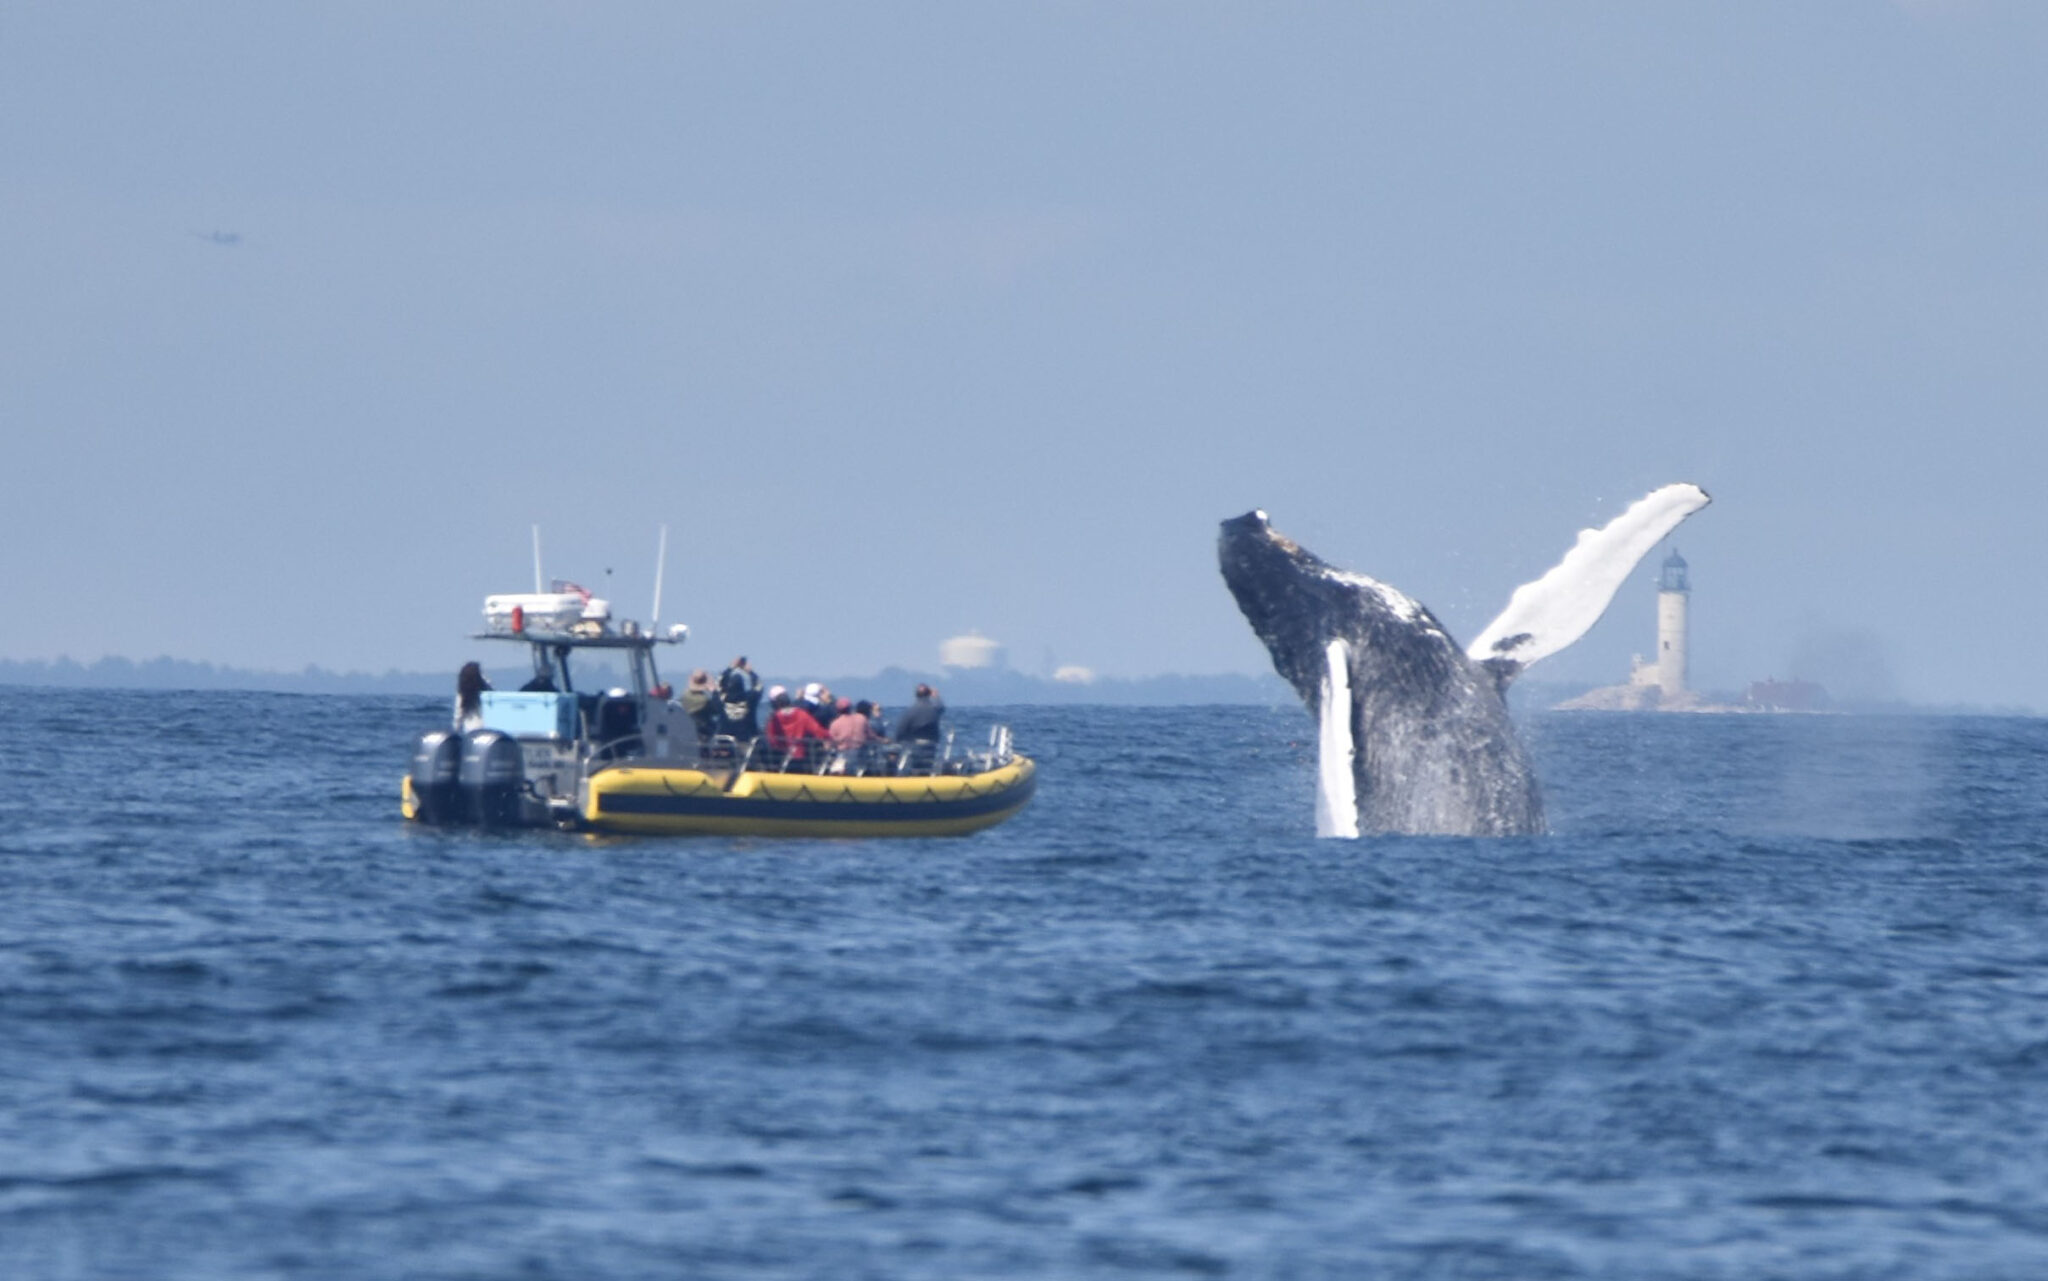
1772,1001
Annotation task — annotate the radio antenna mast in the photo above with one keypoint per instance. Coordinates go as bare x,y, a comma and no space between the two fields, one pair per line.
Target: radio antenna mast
538,586
660,558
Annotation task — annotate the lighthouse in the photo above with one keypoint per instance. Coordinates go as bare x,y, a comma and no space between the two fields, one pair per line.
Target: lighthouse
1658,682
1673,589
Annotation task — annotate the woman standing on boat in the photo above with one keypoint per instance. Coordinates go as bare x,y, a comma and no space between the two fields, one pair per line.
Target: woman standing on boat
469,697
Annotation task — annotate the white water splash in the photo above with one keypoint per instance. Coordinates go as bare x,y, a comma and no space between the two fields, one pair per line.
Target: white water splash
1336,791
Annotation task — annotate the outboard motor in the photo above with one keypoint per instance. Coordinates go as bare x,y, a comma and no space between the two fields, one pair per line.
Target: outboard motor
492,778
436,761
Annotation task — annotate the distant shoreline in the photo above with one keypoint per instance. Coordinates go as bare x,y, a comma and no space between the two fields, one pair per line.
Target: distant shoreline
892,685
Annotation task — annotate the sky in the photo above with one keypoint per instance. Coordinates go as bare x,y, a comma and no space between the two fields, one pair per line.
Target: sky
911,319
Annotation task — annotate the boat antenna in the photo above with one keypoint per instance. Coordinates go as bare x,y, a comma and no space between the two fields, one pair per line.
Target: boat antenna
660,558
537,588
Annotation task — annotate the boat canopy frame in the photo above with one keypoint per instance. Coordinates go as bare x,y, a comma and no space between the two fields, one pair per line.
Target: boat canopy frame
551,651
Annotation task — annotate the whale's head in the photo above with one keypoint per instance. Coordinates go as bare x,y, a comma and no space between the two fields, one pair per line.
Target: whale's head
1297,603
1288,595
1251,551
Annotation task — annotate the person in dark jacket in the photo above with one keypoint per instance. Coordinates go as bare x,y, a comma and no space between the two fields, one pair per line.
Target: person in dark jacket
920,721
917,730
739,693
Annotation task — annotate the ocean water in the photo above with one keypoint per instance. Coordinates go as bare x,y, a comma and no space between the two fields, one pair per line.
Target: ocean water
1772,1001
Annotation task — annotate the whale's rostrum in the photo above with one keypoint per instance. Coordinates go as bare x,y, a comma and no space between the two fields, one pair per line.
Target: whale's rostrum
1426,735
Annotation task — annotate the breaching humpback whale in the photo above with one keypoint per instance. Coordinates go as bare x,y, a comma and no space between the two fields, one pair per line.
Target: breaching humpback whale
1415,735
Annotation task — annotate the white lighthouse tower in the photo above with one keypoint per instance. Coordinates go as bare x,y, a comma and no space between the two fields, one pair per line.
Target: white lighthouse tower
1659,683
1673,590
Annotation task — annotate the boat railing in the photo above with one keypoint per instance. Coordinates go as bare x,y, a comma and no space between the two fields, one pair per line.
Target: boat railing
916,758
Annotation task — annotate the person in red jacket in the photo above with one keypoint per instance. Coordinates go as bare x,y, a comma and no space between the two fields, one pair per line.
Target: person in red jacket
790,729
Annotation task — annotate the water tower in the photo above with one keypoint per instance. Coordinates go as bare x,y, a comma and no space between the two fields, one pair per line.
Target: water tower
970,651
1673,588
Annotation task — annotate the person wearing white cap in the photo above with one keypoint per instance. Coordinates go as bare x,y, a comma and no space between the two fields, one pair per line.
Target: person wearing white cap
818,701
791,731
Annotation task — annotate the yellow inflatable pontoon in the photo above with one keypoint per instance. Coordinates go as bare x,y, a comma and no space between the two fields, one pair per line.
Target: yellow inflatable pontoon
635,798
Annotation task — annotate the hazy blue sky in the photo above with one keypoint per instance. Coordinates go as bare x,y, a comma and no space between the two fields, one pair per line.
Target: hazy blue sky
911,319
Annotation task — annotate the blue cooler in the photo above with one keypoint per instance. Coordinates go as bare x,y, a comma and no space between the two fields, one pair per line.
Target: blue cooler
549,716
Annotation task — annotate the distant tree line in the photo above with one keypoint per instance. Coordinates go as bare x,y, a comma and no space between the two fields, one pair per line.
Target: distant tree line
891,685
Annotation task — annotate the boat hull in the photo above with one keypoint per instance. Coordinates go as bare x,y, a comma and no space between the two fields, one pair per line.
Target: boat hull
635,798
670,801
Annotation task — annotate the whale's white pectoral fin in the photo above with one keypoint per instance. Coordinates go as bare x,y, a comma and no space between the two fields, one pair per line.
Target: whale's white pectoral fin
1545,616
1336,790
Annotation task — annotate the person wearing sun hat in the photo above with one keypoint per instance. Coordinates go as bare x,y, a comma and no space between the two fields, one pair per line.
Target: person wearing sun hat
700,704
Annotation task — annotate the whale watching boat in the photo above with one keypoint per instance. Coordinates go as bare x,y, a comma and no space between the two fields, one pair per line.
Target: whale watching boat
629,759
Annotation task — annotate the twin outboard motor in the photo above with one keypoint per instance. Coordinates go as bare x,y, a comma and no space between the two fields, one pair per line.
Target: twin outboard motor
436,763
476,778
492,778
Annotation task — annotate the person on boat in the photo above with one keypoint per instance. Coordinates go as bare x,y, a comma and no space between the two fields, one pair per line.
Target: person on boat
851,740
918,728
739,694
879,746
920,721
469,697
700,704
818,701
791,729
